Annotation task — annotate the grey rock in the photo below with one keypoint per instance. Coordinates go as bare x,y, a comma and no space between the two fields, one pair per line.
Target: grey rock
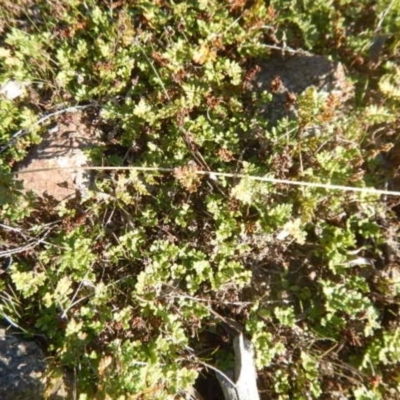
301,71
21,368
287,77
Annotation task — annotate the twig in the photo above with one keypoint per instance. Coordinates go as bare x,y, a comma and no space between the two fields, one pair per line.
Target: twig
156,73
218,371
383,16
12,323
24,131
184,133
28,246
10,228
284,49
213,175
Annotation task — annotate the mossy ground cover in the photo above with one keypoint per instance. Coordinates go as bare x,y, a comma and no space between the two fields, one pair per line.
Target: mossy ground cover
137,285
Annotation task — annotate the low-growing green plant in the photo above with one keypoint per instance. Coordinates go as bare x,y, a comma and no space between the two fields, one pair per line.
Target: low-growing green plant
137,285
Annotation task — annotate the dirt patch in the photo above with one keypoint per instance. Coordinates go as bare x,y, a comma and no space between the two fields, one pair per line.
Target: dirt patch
64,146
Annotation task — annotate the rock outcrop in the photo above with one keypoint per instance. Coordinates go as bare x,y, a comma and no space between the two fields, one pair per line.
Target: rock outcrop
21,368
